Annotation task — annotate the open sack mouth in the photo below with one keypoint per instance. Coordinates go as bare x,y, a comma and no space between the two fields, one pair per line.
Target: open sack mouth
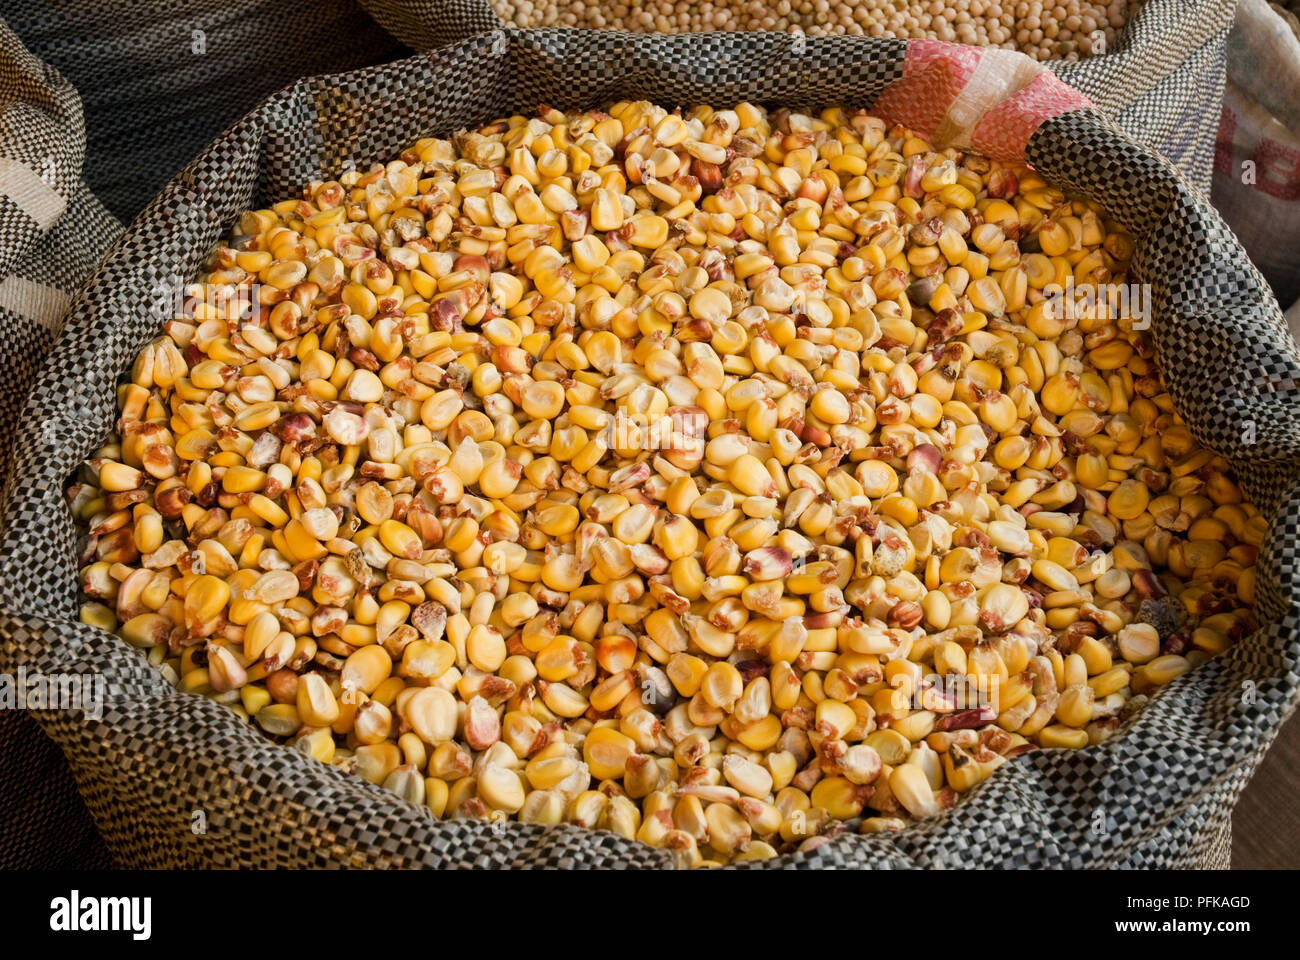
1038,809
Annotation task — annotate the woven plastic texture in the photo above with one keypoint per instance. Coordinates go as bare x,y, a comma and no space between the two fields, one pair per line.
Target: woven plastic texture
43,822
159,78
52,232
1157,795
1161,82
123,99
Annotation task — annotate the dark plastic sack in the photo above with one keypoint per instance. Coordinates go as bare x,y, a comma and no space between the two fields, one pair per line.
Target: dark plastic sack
106,103
158,79
1158,795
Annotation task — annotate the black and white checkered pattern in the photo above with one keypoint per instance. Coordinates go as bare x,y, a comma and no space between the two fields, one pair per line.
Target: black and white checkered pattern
1163,81
1158,795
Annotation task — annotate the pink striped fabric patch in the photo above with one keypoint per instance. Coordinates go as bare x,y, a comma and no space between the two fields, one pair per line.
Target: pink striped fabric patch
1005,128
934,73
981,98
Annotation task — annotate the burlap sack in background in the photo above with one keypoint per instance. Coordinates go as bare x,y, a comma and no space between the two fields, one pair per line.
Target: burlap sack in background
1257,160
1164,786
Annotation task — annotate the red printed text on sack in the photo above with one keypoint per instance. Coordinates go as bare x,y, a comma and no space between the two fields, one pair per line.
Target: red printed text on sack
1278,170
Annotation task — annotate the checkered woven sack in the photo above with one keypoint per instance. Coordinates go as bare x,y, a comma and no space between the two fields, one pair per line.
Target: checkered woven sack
52,230
1158,794
115,99
1161,83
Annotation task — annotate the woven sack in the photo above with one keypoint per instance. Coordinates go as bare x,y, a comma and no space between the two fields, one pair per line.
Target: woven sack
159,79
52,231
100,105
1257,159
1157,795
1161,83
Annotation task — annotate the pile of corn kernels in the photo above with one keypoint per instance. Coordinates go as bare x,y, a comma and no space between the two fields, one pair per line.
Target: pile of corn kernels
1043,29
724,479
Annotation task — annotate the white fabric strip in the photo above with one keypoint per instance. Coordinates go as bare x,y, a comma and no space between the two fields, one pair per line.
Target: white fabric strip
998,75
35,301
33,196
